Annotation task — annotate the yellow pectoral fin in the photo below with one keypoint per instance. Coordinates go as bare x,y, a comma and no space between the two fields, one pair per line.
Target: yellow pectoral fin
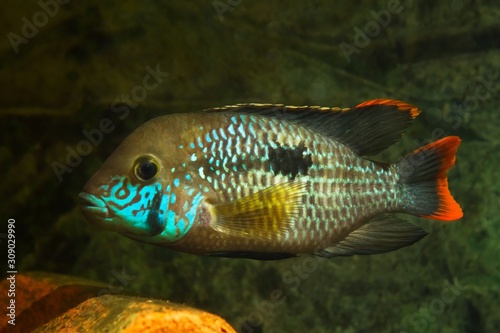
264,214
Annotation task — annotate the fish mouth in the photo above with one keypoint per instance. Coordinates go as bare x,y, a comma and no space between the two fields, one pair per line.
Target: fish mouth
94,209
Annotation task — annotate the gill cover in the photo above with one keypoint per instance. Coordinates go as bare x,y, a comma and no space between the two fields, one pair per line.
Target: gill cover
143,201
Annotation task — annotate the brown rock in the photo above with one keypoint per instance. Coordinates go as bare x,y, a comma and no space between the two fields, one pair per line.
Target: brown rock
40,297
124,314
56,303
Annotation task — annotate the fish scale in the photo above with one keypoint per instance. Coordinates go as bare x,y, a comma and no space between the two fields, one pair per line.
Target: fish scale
328,172
267,181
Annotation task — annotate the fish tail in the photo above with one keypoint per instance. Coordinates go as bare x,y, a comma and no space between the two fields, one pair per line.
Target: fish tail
423,172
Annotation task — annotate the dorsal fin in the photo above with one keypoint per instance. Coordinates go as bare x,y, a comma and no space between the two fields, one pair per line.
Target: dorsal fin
368,128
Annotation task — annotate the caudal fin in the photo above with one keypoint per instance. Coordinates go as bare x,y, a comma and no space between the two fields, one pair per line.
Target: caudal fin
423,171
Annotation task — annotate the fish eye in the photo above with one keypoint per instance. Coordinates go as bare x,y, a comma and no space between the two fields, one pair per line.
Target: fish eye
146,168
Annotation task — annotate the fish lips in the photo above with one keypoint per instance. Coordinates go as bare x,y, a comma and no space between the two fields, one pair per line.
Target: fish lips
98,213
94,209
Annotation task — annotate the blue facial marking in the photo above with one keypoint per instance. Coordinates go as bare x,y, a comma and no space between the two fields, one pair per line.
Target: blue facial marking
179,223
170,228
191,145
208,138
191,214
200,143
140,207
146,211
156,219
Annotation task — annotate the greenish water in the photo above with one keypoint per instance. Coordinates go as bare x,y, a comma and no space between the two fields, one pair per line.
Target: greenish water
77,78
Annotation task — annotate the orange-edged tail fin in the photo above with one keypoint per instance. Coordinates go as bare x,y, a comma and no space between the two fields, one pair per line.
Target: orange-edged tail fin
423,171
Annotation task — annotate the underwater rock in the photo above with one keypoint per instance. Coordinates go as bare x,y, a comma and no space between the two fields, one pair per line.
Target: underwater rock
52,303
39,297
125,314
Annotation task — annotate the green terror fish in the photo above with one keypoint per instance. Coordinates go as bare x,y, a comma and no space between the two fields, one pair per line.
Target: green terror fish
269,181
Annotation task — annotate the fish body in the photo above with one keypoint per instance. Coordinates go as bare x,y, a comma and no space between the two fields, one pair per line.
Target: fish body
270,182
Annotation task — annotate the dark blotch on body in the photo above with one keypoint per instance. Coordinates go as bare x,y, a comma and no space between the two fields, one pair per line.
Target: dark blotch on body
155,223
290,161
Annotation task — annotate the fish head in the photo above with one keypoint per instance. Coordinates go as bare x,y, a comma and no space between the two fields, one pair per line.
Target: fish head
133,191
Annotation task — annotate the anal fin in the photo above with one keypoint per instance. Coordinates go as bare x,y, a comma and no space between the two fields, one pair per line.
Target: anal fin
382,234
266,214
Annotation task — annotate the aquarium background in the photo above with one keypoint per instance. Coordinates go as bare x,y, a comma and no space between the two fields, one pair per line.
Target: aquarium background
85,61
